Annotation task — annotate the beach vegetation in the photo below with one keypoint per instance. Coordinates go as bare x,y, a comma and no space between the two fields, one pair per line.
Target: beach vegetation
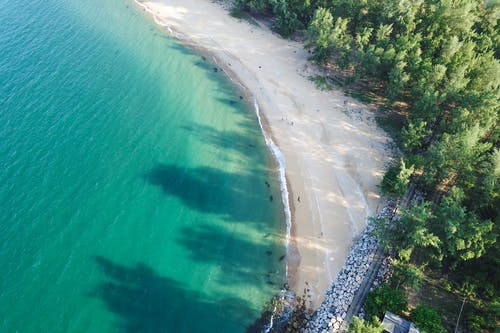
434,68
321,82
361,326
327,35
396,179
289,15
238,13
426,319
407,275
385,298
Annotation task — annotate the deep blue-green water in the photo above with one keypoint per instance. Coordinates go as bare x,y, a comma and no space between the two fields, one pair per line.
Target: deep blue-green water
136,190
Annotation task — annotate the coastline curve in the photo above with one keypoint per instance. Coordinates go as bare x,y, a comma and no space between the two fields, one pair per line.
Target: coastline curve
277,154
334,161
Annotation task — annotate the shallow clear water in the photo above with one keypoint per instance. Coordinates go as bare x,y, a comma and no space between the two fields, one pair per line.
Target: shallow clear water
136,191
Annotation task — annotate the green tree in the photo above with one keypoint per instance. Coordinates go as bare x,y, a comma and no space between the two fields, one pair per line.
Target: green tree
463,235
253,5
439,61
409,232
427,319
341,41
287,19
327,35
406,274
398,79
385,299
319,34
414,136
454,159
396,180
360,326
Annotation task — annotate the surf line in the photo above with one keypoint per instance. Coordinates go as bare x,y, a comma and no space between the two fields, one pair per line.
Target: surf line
155,17
278,155
285,196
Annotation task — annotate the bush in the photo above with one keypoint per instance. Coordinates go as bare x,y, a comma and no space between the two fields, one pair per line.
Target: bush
361,326
483,316
427,319
407,275
396,180
385,299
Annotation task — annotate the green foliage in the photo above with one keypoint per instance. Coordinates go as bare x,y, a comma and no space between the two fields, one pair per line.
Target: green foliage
456,159
409,232
484,316
290,15
321,82
438,60
361,326
385,299
398,80
414,136
327,35
287,20
408,275
396,180
464,236
252,5
319,34
426,319
446,231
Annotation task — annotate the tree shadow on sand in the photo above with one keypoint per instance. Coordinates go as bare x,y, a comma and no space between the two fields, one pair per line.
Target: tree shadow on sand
144,301
213,191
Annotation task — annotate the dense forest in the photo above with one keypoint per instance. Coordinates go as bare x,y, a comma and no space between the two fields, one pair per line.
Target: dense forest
434,64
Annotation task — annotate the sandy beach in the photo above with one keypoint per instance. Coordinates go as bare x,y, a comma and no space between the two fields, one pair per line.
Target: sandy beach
334,152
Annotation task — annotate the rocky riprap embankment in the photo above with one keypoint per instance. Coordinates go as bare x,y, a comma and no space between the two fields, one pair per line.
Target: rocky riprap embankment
333,310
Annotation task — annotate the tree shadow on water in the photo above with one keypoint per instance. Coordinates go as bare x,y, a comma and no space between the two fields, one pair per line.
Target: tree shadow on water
211,191
257,263
241,142
144,301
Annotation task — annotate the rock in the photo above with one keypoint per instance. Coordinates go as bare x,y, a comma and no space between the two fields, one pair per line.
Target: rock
342,290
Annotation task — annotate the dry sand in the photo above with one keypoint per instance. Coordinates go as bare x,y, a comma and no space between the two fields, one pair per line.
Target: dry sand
334,152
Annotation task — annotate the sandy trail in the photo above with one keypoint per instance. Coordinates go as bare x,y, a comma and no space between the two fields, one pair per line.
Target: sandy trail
334,157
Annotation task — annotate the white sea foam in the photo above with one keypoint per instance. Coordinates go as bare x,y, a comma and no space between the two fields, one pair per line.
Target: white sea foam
278,155
268,328
280,158
155,17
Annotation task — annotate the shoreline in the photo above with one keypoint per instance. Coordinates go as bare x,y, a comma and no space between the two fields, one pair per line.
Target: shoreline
328,165
274,150
284,187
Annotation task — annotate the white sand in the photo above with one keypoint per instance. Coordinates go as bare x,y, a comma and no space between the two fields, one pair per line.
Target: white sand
333,161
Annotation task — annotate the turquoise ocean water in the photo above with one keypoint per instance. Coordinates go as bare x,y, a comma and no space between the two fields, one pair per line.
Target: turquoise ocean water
136,190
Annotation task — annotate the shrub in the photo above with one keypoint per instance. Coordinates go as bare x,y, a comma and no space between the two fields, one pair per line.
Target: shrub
427,319
396,180
385,299
361,326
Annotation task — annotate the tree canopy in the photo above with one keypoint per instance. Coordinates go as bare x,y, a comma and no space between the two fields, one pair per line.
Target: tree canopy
437,62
